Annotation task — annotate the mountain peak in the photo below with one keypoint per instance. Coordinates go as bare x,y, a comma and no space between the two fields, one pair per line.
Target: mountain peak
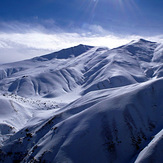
141,41
65,53
145,41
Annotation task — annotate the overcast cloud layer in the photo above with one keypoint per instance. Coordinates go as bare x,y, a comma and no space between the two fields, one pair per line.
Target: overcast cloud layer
20,41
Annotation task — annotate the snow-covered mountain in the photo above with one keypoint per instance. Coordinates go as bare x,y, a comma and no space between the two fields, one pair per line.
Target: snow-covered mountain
84,104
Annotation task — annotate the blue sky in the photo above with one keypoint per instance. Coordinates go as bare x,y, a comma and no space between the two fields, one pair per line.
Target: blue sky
119,16
79,19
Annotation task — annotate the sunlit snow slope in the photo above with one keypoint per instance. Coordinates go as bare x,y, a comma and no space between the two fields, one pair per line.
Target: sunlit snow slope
84,104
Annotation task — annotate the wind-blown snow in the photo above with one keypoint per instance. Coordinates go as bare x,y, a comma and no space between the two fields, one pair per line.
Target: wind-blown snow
84,104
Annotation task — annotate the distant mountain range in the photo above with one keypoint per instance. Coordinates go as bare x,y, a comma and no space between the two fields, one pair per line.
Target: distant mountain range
84,104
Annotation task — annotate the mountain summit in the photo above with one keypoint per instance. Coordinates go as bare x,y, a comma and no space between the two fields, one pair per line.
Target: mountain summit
66,53
84,104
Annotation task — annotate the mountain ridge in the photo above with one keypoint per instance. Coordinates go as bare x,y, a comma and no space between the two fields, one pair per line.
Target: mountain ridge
65,53
100,105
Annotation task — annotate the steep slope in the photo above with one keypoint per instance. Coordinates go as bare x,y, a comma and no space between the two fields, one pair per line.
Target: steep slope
96,68
153,152
84,104
124,65
112,125
38,77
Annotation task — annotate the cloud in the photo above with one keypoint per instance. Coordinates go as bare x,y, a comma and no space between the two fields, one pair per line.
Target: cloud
32,41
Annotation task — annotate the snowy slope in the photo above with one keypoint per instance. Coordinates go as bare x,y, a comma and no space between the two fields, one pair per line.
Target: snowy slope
16,112
84,104
108,126
39,77
96,68
153,152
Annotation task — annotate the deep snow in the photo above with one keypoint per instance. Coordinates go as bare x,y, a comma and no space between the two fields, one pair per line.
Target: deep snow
84,104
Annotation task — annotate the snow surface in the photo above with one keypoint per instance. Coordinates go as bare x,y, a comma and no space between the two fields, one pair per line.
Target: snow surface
84,104
153,152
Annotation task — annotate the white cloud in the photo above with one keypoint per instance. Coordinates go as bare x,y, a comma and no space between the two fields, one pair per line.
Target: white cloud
16,46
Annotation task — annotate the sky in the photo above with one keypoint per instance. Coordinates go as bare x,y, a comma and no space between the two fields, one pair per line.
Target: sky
35,27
